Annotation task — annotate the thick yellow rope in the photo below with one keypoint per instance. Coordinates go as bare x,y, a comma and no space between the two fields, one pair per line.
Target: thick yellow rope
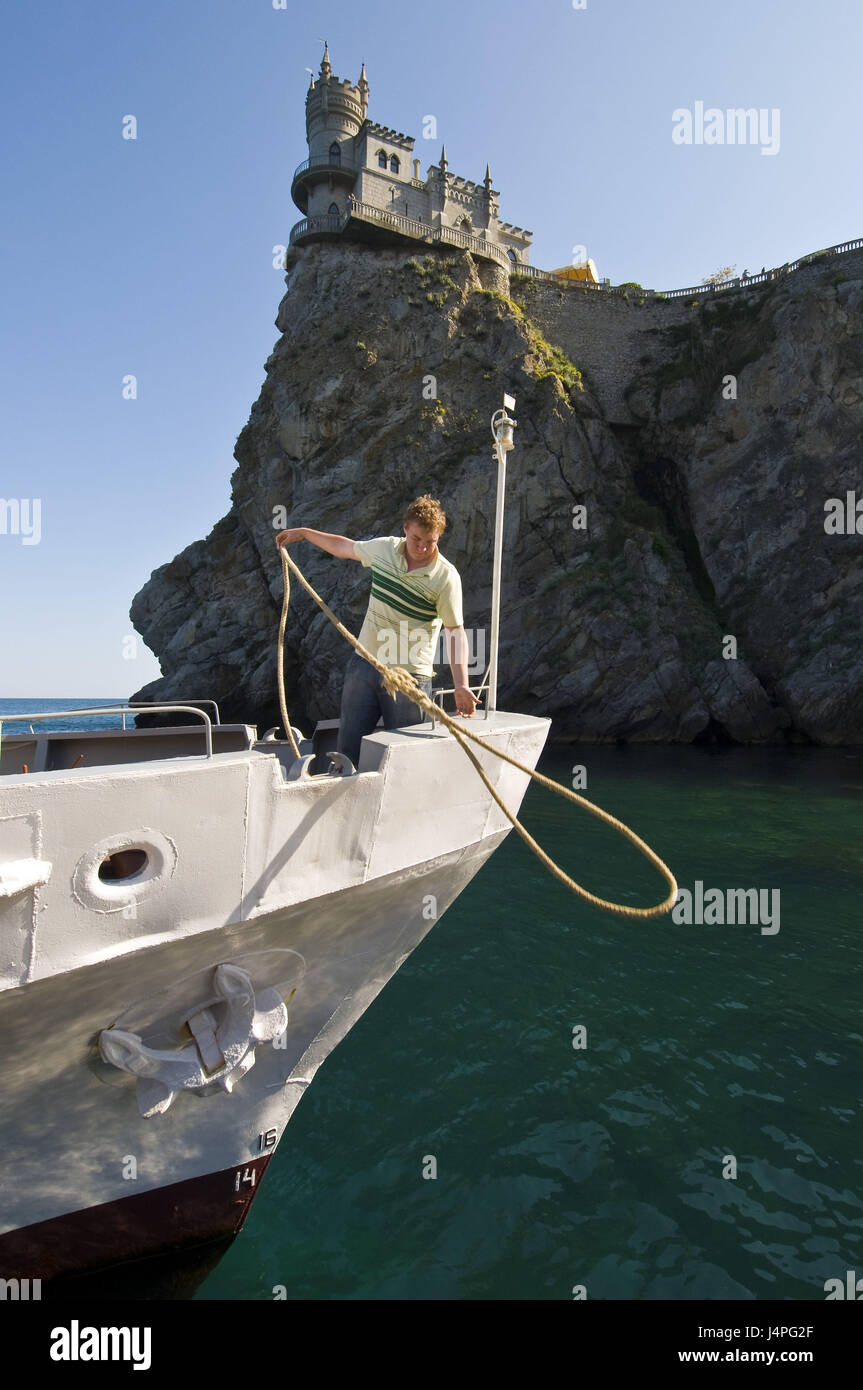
395,678
280,656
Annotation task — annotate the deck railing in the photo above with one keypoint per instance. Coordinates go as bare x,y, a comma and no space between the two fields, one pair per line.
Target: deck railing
147,705
93,710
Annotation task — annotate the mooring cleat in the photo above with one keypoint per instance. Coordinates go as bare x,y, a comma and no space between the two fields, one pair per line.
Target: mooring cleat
299,770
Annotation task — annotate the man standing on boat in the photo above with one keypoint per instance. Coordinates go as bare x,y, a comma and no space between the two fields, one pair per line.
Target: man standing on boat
414,590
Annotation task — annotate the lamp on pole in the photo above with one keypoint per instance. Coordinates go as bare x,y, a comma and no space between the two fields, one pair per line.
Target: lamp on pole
501,432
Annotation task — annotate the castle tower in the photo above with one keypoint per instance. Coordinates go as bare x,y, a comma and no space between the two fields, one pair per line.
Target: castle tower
361,182
335,111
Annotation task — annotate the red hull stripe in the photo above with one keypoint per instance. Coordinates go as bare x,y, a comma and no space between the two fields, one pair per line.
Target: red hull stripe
168,1218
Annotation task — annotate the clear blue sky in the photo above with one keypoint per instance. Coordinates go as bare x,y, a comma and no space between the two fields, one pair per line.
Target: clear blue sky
154,256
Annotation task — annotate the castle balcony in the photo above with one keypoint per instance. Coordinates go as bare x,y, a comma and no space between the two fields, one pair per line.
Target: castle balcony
477,246
317,228
365,222
335,168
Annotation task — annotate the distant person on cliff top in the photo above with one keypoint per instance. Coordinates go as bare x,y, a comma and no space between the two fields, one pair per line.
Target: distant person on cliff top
414,590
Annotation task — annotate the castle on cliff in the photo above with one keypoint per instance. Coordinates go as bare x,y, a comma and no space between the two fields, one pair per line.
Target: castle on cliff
361,178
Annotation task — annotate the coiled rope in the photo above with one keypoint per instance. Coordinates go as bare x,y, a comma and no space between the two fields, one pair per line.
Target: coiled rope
395,679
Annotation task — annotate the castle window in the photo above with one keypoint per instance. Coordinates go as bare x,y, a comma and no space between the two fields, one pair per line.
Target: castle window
513,257
394,164
335,153
333,209
382,159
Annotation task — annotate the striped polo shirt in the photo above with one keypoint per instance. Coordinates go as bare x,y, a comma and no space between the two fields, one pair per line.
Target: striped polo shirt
406,608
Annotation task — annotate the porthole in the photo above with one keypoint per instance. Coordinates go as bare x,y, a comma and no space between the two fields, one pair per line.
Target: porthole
127,867
122,865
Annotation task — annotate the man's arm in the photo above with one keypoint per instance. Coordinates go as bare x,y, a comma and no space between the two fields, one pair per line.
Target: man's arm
465,701
342,546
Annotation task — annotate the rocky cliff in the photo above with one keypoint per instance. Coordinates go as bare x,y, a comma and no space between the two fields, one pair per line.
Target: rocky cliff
667,572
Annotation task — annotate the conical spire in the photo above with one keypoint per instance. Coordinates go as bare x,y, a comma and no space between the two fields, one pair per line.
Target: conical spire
325,62
443,164
363,87
487,179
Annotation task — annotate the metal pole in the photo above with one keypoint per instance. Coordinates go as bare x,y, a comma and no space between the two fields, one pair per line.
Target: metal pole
501,429
495,581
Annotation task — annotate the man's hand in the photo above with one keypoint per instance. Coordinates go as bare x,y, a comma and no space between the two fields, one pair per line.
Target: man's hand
465,701
288,537
341,546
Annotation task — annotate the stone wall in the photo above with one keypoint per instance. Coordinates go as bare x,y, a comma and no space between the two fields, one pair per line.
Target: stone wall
603,334
615,341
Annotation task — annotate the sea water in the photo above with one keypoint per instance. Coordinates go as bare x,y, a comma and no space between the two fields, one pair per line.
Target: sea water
85,722
615,1108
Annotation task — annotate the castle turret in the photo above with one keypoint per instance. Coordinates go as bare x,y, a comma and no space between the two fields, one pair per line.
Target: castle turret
335,111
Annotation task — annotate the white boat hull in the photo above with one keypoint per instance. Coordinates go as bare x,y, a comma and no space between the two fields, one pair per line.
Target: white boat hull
322,888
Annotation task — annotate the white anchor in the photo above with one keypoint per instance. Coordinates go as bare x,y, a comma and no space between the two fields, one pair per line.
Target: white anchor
223,1050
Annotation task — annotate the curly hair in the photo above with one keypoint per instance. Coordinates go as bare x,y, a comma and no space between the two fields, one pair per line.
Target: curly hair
428,512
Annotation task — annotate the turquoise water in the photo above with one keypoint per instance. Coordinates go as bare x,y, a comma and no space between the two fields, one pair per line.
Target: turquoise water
601,1166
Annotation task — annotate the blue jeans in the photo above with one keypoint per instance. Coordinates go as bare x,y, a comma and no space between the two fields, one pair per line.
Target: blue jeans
364,699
